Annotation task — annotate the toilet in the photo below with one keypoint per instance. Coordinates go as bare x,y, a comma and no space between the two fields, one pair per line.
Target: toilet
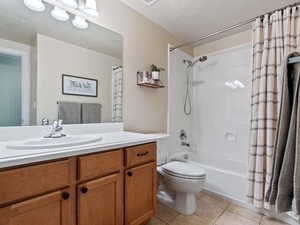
181,181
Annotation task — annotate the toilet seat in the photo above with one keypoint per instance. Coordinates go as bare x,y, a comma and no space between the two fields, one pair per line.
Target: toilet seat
185,170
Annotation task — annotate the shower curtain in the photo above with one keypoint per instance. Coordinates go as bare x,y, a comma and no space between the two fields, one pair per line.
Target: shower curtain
117,94
274,36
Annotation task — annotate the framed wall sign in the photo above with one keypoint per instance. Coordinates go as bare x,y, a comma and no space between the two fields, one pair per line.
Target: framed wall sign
80,86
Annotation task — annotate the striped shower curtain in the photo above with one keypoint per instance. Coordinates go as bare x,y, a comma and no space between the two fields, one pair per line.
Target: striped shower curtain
117,94
274,36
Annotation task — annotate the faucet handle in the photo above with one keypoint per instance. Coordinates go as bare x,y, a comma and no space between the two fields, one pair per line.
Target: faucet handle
45,122
60,122
55,122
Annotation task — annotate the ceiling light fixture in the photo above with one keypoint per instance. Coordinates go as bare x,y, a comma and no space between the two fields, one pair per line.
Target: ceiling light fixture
80,23
35,5
59,14
70,3
90,8
149,2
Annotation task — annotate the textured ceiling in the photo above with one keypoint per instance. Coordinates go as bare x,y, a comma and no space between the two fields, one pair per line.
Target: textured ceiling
189,19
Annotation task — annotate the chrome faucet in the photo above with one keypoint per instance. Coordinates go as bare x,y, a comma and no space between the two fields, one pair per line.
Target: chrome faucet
56,130
45,122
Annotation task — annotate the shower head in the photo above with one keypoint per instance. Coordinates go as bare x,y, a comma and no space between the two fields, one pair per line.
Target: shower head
190,63
202,58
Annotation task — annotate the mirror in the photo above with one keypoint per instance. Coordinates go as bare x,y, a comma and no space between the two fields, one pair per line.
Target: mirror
52,70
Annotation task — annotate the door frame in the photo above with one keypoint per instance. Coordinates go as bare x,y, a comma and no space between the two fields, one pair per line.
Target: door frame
26,82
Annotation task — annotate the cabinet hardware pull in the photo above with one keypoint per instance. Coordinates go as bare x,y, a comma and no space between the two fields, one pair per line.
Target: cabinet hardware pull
130,174
142,154
65,195
84,190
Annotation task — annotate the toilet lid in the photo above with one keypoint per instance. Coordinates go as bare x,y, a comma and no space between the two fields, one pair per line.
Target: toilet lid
184,169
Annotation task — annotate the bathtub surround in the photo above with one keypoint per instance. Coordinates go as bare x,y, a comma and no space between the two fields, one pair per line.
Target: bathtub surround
269,48
221,158
220,143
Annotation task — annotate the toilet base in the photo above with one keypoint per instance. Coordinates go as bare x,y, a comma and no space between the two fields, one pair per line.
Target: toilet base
185,203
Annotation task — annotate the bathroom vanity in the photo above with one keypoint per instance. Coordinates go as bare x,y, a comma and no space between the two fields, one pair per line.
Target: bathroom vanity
110,187
86,170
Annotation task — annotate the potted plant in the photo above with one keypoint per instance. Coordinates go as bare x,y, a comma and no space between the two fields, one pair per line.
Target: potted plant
155,70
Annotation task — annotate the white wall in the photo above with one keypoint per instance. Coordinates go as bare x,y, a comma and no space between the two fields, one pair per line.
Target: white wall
219,112
55,58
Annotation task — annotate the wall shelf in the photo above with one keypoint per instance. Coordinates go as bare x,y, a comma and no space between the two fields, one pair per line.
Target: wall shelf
151,85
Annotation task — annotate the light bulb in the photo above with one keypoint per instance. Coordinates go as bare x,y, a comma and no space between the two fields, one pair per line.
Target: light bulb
59,14
90,8
70,3
80,23
35,5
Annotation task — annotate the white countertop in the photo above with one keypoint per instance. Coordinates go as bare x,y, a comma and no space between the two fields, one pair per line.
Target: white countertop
110,140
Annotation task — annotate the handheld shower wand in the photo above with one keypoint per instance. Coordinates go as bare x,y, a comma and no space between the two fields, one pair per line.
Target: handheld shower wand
188,101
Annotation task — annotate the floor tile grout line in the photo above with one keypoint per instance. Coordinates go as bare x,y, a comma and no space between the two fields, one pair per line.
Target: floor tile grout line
160,220
167,223
261,220
221,214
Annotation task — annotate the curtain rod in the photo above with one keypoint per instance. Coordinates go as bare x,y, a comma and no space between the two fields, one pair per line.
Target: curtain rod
117,67
229,28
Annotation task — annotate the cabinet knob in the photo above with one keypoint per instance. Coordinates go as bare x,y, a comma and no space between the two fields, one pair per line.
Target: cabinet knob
84,190
65,195
130,174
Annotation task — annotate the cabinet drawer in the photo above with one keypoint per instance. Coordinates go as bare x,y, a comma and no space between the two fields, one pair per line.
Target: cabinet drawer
100,164
140,154
20,183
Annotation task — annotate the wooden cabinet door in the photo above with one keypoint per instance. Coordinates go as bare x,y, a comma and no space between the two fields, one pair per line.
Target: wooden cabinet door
140,194
100,202
50,209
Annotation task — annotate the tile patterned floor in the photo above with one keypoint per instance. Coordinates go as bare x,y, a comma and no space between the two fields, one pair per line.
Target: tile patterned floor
212,210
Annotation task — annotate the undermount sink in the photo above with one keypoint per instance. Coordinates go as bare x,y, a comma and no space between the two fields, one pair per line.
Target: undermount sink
48,143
